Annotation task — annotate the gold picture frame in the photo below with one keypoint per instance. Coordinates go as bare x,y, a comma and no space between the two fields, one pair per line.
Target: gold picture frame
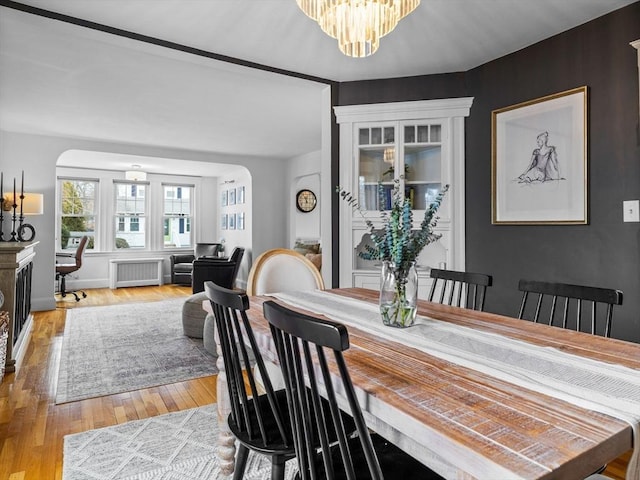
539,161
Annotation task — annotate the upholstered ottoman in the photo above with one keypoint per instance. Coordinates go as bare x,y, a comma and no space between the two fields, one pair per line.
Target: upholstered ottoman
208,335
193,315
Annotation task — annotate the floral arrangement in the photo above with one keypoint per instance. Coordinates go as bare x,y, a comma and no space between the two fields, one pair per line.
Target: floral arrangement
397,241
398,245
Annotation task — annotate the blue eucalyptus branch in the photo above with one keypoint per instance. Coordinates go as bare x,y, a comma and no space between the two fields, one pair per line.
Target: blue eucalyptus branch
397,241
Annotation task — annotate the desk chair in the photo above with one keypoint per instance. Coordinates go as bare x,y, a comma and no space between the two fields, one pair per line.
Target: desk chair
460,289
64,269
282,270
363,455
548,294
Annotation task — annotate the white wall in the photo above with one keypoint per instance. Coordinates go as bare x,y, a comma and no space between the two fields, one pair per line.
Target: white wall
37,156
238,237
309,167
207,228
306,225
304,172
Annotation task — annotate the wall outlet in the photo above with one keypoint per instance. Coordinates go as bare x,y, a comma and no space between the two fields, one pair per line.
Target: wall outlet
631,211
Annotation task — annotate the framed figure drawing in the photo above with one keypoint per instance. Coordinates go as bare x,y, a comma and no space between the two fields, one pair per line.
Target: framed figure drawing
232,196
224,198
539,161
223,221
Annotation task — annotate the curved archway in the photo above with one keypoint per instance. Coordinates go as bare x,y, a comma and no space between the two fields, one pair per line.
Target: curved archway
206,181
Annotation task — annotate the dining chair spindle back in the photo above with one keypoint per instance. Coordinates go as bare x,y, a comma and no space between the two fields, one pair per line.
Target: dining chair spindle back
459,289
259,421
573,299
306,347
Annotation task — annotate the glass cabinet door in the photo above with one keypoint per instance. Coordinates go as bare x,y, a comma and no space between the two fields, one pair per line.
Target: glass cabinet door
415,160
422,149
376,165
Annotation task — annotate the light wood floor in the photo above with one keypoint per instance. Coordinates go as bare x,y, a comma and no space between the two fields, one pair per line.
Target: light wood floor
32,426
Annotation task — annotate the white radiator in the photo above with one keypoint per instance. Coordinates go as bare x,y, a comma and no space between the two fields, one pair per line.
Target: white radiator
135,272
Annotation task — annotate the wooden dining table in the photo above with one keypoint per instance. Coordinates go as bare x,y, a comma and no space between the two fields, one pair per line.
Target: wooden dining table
463,422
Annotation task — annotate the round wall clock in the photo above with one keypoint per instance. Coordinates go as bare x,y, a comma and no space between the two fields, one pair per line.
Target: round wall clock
306,200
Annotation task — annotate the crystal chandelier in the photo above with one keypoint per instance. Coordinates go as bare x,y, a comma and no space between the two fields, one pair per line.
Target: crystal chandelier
358,25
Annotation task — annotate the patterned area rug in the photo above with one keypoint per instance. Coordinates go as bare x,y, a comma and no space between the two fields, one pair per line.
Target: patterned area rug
174,446
121,348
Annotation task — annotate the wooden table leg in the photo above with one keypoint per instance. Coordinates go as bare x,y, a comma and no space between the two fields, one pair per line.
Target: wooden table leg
226,450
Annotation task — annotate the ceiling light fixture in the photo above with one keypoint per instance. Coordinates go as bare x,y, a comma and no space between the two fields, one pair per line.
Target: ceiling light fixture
135,175
358,25
389,156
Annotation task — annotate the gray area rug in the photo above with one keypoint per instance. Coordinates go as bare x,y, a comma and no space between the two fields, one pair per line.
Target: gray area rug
173,446
121,348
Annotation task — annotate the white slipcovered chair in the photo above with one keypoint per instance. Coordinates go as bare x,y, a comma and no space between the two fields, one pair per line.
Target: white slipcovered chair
282,270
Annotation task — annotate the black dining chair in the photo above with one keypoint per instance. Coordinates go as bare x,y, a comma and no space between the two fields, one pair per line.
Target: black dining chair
259,417
259,421
459,289
360,456
573,298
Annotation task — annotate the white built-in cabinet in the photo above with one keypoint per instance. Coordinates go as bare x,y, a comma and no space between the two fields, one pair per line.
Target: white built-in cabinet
418,144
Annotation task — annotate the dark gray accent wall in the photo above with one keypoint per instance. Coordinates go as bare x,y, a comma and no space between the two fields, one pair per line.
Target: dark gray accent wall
606,252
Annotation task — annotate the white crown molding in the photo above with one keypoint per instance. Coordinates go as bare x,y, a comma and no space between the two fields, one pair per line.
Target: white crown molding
449,107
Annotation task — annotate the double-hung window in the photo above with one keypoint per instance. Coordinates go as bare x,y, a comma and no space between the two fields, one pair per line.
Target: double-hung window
177,215
78,212
130,214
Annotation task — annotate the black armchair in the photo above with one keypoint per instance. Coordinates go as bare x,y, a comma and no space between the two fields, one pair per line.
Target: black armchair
182,264
222,272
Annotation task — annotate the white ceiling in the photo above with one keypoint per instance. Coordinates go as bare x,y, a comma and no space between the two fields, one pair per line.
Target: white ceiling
61,79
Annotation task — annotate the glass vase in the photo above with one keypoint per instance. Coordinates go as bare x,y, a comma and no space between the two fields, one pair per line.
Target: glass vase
398,294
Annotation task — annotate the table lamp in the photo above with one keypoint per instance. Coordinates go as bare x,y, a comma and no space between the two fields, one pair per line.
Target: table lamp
31,204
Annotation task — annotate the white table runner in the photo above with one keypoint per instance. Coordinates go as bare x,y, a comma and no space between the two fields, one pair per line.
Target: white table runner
591,384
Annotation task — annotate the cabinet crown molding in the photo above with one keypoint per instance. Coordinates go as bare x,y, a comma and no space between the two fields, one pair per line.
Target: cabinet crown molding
422,109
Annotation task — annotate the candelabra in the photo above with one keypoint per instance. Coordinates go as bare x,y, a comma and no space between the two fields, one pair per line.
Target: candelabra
7,206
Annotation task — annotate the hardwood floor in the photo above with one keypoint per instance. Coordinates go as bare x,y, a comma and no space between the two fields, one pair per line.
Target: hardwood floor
32,426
